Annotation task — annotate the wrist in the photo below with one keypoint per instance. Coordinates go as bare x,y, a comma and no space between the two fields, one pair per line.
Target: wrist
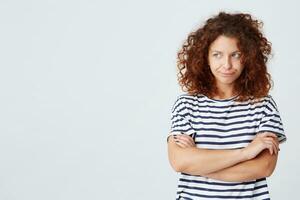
243,154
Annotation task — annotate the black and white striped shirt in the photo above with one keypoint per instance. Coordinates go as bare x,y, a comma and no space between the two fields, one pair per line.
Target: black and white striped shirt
223,124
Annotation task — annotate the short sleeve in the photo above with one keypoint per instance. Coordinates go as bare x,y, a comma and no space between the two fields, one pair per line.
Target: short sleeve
179,119
271,120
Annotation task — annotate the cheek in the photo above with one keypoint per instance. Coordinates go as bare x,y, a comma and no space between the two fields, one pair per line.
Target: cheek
238,66
213,68
213,61
241,68
214,65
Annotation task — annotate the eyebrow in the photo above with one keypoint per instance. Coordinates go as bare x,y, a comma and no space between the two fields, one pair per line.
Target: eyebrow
237,51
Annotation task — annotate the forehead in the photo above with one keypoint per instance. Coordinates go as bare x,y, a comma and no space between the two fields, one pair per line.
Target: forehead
224,44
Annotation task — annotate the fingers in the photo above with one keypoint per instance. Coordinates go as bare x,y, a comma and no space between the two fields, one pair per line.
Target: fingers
272,140
180,144
187,138
276,144
272,145
184,140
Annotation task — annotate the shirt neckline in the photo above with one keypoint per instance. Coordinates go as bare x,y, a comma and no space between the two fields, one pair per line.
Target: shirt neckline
222,100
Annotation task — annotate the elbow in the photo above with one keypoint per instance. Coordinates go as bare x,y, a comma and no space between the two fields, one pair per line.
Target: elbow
177,162
176,165
177,169
267,173
269,169
177,158
268,164
262,173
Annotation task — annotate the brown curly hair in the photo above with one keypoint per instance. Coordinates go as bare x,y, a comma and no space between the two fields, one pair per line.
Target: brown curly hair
194,74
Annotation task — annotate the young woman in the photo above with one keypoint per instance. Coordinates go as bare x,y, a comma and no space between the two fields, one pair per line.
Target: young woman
226,129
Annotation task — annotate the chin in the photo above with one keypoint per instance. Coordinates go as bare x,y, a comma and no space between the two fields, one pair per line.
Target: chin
227,80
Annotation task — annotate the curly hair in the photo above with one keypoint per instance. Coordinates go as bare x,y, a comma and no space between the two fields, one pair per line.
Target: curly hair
194,74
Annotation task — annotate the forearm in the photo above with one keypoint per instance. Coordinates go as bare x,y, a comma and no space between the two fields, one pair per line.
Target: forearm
198,161
257,168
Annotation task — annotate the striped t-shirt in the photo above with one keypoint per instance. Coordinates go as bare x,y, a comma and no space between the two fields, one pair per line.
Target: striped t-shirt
223,124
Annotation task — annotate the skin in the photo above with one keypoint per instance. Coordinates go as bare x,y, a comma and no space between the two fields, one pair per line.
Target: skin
261,162
267,140
224,59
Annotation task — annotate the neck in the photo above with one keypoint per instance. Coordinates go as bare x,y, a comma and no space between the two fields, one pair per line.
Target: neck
225,92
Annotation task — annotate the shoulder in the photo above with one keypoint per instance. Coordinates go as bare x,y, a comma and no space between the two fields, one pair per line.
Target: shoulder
265,99
185,97
268,103
185,100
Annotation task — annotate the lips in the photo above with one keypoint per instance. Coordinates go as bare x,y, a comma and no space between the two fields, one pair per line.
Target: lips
227,74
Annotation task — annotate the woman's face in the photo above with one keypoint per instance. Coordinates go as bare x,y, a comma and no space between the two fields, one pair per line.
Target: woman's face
224,59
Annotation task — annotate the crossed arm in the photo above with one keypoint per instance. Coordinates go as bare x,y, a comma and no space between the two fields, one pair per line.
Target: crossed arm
230,166
261,166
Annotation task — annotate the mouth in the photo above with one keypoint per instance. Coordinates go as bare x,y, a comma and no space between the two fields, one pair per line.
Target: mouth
227,74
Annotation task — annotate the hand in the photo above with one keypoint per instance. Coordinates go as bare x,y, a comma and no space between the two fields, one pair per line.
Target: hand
184,140
266,140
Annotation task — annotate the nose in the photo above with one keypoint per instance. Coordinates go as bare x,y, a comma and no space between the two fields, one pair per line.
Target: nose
227,63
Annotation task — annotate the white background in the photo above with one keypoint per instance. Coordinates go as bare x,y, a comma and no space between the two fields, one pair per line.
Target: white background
86,89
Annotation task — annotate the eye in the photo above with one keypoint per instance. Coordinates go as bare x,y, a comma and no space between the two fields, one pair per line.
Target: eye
236,55
217,55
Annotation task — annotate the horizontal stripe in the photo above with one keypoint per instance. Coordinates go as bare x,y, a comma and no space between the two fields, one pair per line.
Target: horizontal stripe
224,196
273,127
222,190
218,183
185,198
224,111
224,136
200,103
225,143
225,130
223,124
224,117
